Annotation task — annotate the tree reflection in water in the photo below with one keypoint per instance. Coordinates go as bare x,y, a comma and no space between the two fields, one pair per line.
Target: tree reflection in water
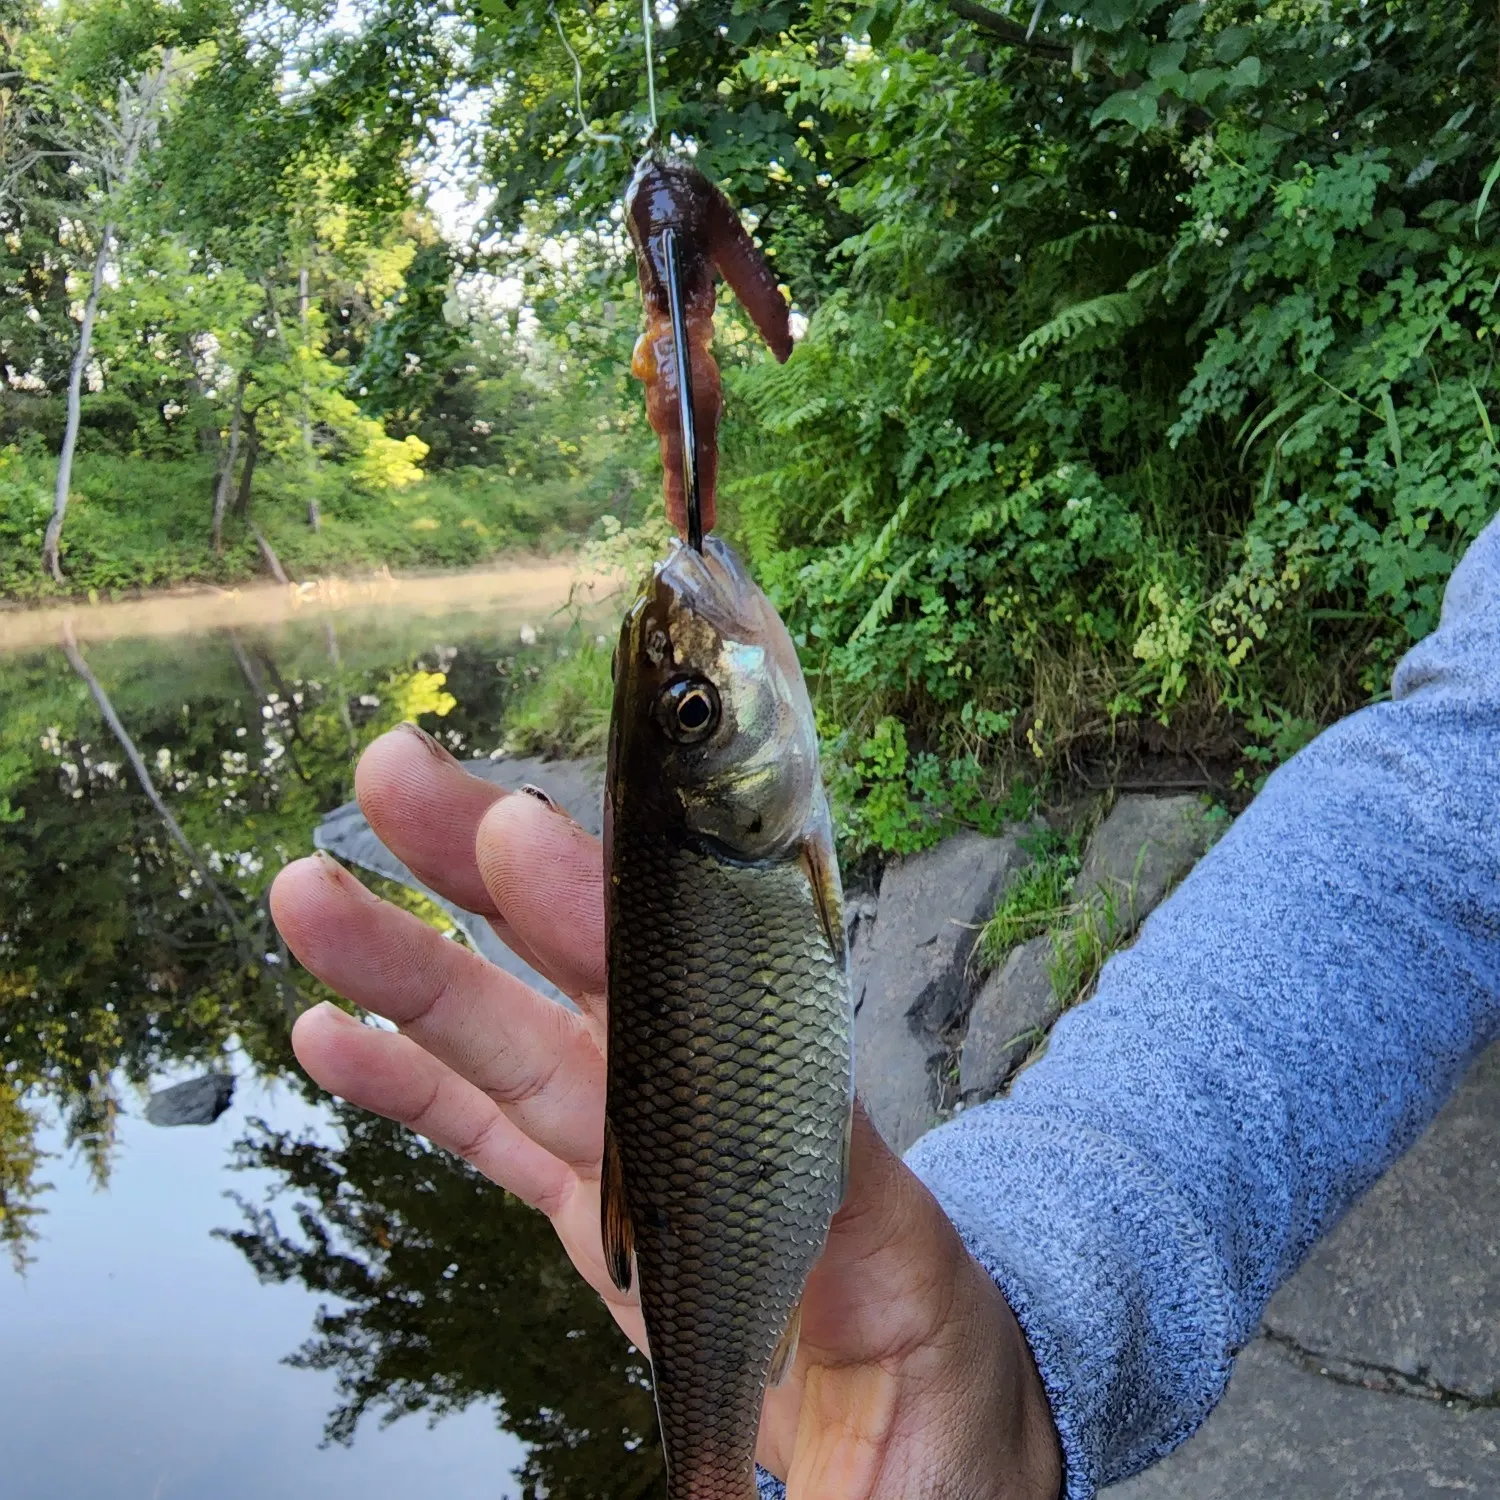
450,1291
117,965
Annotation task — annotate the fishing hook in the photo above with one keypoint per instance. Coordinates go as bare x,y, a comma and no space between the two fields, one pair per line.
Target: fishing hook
684,393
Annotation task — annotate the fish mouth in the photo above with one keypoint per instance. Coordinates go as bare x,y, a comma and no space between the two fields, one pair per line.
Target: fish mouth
712,585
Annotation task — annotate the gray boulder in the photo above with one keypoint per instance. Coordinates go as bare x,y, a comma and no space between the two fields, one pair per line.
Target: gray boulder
1140,851
1287,1432
1011,1014
576,785
911,982
198,1101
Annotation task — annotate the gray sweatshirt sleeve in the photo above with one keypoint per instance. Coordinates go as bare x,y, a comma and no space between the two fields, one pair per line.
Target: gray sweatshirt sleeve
1286,1025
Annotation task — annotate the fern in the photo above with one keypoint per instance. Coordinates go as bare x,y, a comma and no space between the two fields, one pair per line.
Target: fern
1107,233
1118,311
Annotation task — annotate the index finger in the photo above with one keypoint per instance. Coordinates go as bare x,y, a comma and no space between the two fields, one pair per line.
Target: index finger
535,875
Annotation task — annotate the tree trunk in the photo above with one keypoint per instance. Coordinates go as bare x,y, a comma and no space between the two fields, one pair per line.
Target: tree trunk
52,542
314,515
226,474
247,474
268,554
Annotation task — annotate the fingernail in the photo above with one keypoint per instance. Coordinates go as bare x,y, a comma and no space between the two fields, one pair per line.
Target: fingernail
335,1013
425,740
342,877
547,802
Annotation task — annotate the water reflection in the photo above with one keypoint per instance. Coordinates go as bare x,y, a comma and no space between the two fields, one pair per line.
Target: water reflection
120,962
450,1293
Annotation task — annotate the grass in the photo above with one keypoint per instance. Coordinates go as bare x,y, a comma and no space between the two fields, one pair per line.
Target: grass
1083,933
1037,899
565,710
1090,932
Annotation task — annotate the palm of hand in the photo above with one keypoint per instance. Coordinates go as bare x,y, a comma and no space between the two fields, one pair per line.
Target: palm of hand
912,1378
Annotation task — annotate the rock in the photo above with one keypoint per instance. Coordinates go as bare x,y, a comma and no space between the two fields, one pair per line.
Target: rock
198,1101
1011,1013
1377,1344
1284,1432
1139,852
577,785
859,928
910,983
1410,1280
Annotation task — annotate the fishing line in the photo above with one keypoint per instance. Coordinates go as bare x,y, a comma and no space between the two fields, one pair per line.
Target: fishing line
652,138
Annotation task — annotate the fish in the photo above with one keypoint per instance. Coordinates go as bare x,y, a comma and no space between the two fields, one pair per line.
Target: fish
730,1075
665,193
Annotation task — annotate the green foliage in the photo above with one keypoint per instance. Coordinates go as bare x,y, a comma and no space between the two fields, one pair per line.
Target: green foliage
563,710
1157,412
1036,899
1146,398
134,524
885,798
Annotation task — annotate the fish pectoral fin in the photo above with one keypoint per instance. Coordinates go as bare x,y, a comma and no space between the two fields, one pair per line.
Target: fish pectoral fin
786,1350
822,880
614,1214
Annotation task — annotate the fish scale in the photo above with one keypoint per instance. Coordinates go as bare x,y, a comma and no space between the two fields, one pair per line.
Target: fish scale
729,1078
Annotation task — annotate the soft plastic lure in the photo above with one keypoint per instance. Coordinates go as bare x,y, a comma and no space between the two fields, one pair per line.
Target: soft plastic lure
684,228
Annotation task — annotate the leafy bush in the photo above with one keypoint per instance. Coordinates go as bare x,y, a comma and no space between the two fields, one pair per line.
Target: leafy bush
1147,412
136,523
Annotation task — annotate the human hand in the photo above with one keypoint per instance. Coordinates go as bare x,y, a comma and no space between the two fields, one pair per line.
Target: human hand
913,1380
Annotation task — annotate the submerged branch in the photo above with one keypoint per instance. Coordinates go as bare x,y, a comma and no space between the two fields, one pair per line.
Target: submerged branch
247,940
148,786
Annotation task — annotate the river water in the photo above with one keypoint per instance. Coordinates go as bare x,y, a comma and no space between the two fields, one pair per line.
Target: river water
295,1298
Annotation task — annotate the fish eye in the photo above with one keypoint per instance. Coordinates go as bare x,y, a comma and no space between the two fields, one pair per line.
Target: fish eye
688,709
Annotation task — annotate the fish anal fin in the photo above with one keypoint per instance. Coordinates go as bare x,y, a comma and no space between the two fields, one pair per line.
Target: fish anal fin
614,1214
786,1350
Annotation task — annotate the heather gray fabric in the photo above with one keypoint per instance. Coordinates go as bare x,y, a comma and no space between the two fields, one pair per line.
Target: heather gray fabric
1287,1024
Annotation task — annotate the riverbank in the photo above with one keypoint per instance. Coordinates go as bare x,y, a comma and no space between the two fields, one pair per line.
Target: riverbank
135,524
521,590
